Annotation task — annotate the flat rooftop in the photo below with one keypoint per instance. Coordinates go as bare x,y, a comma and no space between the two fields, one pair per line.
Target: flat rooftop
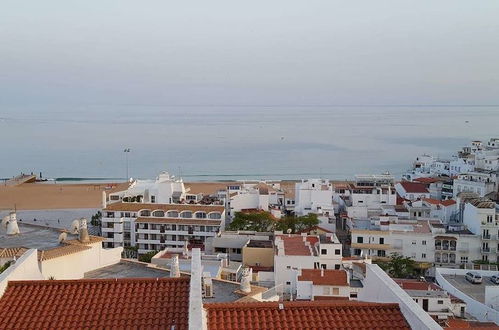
260,244
224,291
475,291
126,269
32,237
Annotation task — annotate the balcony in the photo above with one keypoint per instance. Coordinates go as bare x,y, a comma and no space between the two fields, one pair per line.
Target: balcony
489,237
488,250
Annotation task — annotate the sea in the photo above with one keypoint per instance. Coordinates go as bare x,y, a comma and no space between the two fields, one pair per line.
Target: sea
208,143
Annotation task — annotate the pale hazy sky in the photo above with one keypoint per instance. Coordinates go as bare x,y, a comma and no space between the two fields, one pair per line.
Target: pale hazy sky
249,52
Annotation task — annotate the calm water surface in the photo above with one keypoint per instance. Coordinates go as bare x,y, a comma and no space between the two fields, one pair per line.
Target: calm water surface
223,143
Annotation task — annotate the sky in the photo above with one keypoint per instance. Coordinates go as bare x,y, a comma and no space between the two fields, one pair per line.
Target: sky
281,52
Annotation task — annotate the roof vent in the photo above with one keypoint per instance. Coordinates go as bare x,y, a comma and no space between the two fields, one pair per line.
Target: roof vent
9,222
281,306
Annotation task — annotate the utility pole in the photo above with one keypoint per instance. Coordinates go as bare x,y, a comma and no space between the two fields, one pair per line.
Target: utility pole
127,151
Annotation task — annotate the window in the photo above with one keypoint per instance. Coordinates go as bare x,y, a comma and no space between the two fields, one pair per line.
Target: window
323,251
353,295
201,215
464,260
323,266
337,251
413,242
440,302
186,214
288,267
153,199
317,265
360,239
423,255
336,291
288,283
423,242
337,267
489,219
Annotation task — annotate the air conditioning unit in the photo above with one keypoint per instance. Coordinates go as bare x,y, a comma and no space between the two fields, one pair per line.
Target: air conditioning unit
207,286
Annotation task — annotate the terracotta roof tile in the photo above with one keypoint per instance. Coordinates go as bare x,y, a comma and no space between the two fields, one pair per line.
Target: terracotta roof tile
414,187
448,202
12,252
324,276
305,315
294,245
96,304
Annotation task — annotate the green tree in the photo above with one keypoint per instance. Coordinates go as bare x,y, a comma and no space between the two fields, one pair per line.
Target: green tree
96,219
260,221
148,256
399,266
297,224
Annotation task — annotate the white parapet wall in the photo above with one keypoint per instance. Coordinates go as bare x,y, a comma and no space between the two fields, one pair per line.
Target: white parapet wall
54,218
196,312
24,268
379,287
477,309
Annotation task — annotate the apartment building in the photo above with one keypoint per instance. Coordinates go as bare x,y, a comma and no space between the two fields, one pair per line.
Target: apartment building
316,196
481,216
479,181
296,252
426,241
153,227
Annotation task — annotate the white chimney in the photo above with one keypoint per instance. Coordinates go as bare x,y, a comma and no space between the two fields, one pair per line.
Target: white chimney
322,272
104,200
246,280
83,232
174,267
10,221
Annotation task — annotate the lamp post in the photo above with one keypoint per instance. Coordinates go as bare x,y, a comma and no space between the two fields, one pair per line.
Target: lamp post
126,151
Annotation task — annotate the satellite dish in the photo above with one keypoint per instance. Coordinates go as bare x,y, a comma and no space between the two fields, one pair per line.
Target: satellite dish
62,237
75,227
289,231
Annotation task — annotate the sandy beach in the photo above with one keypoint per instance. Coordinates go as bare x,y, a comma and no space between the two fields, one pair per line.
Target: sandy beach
38,196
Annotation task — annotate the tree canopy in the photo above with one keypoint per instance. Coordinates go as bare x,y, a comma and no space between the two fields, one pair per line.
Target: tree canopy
264,221
399,266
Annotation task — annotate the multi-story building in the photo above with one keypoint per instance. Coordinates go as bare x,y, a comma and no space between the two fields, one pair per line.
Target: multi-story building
316,196
152,227
296,252
372,191
426,241
481,182
412,190
481,216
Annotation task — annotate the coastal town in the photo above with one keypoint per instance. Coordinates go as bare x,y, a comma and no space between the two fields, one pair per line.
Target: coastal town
418,251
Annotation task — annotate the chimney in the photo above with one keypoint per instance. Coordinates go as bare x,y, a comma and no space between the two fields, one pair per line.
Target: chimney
10,222
245,280
174,267
322,272
104,200
83,233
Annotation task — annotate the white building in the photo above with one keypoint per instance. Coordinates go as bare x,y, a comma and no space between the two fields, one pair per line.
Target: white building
481,216
165,189
481,182
152,227
317,284
296,252
412,190
316,196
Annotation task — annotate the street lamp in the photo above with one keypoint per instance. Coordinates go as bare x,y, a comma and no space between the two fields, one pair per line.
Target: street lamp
126,151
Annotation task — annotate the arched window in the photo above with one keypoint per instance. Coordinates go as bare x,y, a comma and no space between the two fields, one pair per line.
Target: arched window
145,213
214,215
172,214
158,214
201,215
186,214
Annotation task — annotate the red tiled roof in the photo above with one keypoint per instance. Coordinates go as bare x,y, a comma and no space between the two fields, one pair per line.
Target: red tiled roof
324,276
453,323
414,187
416,285
304,315
294,245
432,201
108,303
448,202
315,228
427,180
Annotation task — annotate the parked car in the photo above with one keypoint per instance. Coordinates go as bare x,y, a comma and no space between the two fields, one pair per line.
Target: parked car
473,277
494,279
